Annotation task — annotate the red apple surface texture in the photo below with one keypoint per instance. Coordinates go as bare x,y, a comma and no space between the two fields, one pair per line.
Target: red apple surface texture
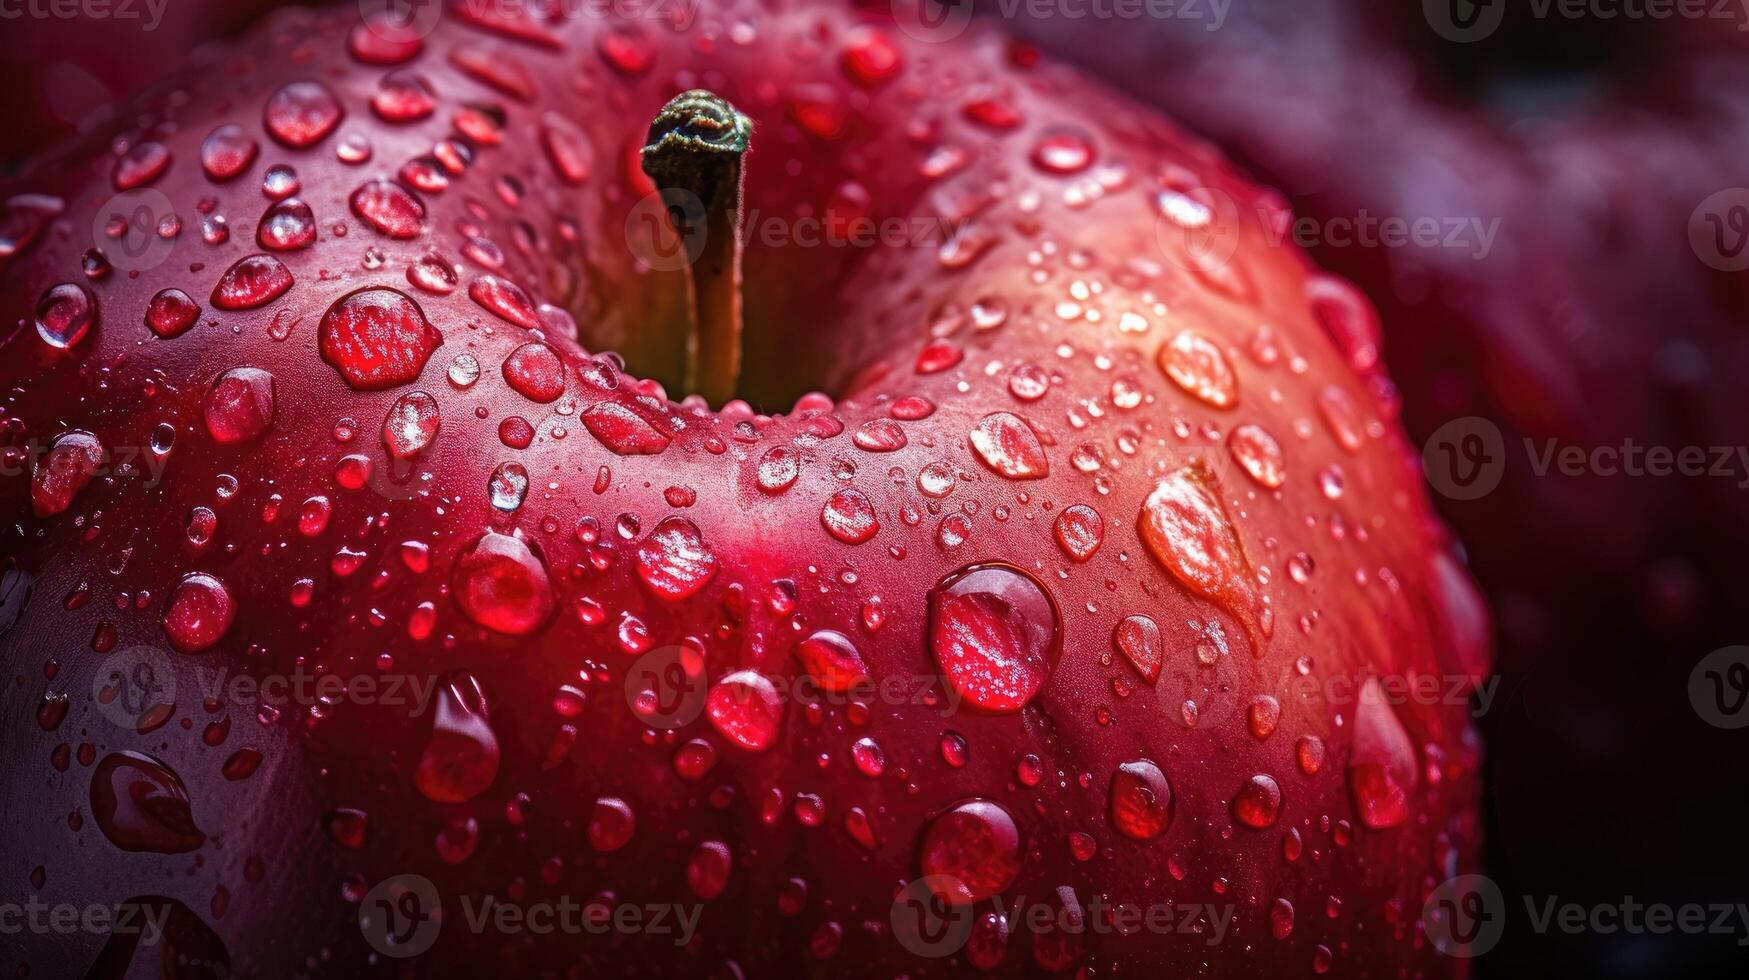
1081,592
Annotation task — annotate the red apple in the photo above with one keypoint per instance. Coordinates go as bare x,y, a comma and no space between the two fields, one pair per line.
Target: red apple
1088,587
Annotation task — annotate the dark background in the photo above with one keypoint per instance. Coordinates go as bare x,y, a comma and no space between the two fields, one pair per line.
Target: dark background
1590,322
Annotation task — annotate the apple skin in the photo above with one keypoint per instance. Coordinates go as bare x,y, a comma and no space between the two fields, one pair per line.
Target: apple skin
1063,257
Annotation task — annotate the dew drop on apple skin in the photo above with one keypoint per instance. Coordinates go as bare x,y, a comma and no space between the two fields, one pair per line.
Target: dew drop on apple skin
970,852
1141,800
65,314
460,759
746,708
141,804
995,633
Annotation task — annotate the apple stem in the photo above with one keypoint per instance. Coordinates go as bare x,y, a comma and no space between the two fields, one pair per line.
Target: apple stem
693,154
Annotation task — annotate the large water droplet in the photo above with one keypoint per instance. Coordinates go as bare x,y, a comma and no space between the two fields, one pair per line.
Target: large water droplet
1138,639
287,225
461,759
502,585
141,804
535,371
1187,530
1197,364
674,561
1141,800
377,338
1258,802
73,460
746,708
849,516
252,281
1258,454
995,632
1382,769
1010,447
143,163
411,425
971,852
302,113
199,613
832,660
239,406
623,431
506,300
65,314
227,151
389,208
171,312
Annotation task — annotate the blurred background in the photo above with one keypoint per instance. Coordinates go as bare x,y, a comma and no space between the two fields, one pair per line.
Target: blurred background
1584,165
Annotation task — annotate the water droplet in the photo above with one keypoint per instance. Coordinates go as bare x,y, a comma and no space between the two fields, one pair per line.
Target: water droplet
377,338
239,406
971,852
502,585
141,804
199,613
385,37
1080,531
73,460
832,660
778,469
1138,639
611,824
1258,802
674,561
411,425
1009,447
143,163
1063,152
707,870
623,431
388,207
65,314
287,225
461,758
1382,769
1187,530
252,281
506,300
302,113
995,633
1141,800
171,313
746,708
1258,454
403,97
1196,364
227,151
870,58
567,148
849,516
507,487
535,372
